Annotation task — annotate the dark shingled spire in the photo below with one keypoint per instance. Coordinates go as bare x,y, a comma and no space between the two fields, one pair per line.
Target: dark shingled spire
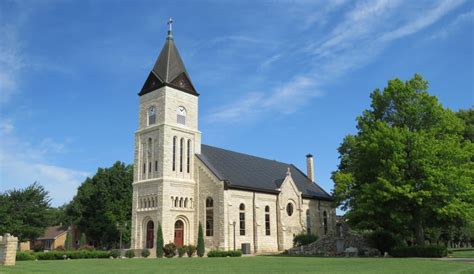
169,70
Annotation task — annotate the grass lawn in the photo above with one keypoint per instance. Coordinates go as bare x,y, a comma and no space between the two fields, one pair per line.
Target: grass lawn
258,264
462,254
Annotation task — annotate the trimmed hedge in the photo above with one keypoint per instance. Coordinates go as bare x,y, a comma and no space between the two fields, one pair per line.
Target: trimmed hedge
61,255
304,239
145,253
25,256
420,251
130,254
220,253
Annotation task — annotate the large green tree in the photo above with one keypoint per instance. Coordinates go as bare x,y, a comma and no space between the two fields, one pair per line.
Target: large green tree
24,212
102,202
408,167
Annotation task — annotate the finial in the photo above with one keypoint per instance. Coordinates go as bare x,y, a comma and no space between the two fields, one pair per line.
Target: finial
288,172
170,27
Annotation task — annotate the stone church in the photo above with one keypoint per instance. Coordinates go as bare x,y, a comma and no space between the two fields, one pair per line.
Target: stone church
238,198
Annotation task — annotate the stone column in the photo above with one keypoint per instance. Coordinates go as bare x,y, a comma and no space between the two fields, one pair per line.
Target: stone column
8,246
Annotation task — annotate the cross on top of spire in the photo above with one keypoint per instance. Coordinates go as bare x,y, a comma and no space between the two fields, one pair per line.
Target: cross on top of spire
170,28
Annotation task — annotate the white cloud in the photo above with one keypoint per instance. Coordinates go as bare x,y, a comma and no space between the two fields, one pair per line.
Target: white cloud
365,31
465,18
23,162
11,62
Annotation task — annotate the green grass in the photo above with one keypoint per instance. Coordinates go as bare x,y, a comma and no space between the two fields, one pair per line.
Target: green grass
462,254
259,264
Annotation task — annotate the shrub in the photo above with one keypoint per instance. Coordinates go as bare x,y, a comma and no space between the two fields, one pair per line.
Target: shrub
129,254
181,251
200,246
68,241
159,242
79,254
169,250
38,246
304,239
221,253
115,253
60,248
82,240
420,251
382,240
190,249
25,256
145,253
87,247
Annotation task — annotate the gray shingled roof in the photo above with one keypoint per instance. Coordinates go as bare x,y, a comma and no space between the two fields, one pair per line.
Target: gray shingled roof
242,171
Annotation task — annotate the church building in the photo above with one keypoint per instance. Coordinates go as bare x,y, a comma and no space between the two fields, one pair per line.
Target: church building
238,198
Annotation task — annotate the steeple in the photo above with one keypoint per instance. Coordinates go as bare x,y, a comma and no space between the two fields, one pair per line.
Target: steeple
169,69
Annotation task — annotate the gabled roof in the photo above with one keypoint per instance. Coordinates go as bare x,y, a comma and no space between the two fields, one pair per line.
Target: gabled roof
169,70
53,232
242,171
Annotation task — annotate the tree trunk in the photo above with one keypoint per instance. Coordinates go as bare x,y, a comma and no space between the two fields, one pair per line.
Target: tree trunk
419,232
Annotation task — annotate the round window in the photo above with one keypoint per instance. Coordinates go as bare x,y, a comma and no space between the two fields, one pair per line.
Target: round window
289,209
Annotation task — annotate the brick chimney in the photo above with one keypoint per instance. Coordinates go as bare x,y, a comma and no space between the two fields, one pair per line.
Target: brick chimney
310,167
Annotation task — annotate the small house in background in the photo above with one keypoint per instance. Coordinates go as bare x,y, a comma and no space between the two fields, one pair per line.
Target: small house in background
53,237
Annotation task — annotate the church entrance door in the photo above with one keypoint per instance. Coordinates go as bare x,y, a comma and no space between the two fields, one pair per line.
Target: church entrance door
150,227
179,233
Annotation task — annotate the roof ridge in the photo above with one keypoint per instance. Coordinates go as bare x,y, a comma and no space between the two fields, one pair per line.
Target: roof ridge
245,154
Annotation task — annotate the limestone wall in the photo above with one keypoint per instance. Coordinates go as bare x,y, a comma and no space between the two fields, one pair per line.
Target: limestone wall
8,246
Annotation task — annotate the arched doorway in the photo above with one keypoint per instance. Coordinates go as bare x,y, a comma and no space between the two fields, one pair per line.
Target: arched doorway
150,233
179,233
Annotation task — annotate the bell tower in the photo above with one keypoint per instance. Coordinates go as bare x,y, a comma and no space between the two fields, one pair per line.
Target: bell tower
165,144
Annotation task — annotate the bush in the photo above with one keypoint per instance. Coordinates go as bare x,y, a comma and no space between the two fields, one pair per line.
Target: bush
60,248
87,247
420,251
304,239
79,254
382,240
159,242
181,251
25,256
190,249
169,250
38,246
200,246
115,253
129,254
145,253
221,253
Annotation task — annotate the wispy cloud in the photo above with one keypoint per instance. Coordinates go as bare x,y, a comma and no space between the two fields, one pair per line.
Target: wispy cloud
367,28
11,62
465,18
23,162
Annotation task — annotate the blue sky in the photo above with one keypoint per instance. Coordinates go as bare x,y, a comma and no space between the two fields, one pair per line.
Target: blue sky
278,79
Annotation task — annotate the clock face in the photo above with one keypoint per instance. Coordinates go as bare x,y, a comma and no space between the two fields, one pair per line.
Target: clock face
181,83
181,111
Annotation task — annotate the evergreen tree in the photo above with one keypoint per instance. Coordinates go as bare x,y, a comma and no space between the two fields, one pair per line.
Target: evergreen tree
68,242
200,245
83,241
159,242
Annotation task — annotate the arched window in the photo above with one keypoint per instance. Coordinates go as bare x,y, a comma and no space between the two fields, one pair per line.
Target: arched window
151,115
188,159
150,234
176,201
156,166
175,139
191,203
181,202
140,203
209,217
181,115
186,203
149,154
242,219
308,222
267,220
289,209
325,222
